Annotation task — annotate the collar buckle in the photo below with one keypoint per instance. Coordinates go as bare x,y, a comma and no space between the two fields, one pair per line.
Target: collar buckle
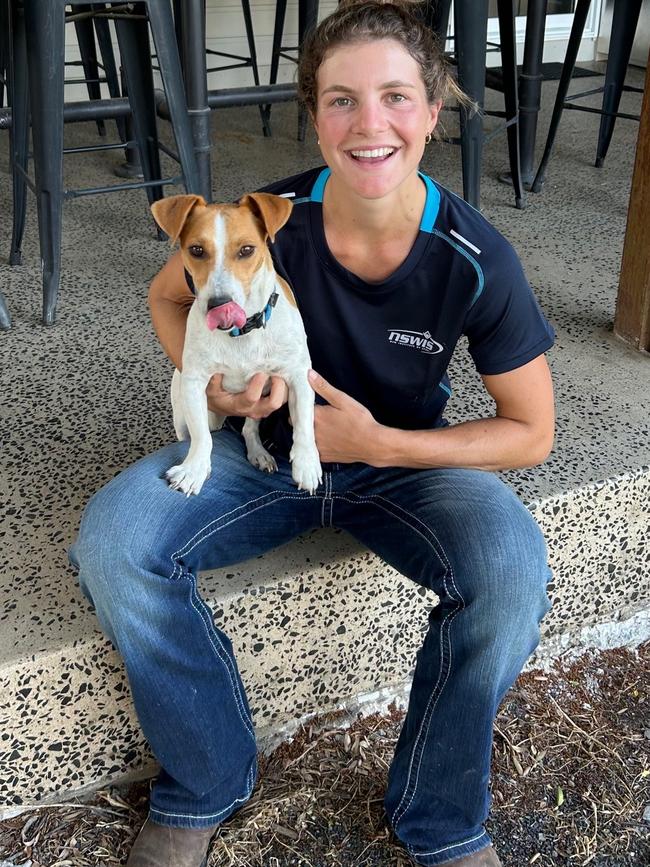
257,320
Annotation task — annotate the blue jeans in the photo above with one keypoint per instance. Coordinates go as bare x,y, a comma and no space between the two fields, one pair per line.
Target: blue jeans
462,533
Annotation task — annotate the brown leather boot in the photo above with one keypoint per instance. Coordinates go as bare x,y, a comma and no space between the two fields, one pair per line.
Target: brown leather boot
485,858
162,846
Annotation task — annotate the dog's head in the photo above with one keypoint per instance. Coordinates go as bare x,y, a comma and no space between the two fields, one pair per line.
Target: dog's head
224,248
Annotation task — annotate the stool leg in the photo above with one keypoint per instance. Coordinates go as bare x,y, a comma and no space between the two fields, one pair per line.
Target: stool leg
577,29
196,87
530,87
133,40
102,29
45,50
88,50
625,17
507,36
470,27
278,30
162,27
178,29
250,36
19,133
4,49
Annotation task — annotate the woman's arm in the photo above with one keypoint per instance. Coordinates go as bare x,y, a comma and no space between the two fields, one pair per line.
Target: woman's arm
170,299
519,435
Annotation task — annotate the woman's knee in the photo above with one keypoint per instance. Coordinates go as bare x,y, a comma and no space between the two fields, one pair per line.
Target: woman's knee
503,567
115,532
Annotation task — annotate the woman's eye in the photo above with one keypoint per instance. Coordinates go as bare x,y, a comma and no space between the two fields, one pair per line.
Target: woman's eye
342,101
397,97
197,251
246,251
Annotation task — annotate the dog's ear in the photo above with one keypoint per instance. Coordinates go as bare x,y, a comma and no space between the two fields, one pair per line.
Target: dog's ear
273,211
171,213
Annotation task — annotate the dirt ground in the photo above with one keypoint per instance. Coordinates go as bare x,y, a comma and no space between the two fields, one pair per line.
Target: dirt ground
571,785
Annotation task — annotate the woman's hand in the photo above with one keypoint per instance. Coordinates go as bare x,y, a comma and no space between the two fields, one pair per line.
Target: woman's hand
345,430
249,403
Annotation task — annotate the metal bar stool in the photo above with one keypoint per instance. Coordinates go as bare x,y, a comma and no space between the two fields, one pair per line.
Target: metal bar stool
470,38
625,17
38,47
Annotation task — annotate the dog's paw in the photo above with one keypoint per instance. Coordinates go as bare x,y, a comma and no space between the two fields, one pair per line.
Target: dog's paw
260,458
188,477
306,469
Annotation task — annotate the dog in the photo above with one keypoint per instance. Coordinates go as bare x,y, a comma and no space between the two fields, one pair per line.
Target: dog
244,320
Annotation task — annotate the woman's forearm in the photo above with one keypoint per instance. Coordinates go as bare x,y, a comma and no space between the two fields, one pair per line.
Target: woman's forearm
484,444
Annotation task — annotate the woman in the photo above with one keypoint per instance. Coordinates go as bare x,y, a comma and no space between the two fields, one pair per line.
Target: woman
389,270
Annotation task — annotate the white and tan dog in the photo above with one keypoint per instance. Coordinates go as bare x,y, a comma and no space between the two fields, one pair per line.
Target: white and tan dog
244,320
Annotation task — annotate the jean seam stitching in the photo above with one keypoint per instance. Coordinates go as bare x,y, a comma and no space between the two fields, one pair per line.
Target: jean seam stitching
222,654
249,782
225,660
431,704
194,541
331,503
447,848
393,509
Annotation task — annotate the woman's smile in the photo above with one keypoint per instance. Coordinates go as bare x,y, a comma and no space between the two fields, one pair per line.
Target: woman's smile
372,156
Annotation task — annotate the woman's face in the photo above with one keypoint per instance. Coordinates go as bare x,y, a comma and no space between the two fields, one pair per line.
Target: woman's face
372,116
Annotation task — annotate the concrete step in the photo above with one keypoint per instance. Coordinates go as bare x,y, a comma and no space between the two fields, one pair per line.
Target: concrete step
316,624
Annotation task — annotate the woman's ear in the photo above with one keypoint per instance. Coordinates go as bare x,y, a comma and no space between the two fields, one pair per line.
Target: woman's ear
434,108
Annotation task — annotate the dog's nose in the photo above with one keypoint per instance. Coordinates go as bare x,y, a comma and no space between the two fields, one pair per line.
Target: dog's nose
218,301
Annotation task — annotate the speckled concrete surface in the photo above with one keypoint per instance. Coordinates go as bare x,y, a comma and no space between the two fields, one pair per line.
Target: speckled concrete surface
83,399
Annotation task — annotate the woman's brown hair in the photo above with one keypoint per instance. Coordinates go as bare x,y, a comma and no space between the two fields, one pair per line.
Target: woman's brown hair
369,20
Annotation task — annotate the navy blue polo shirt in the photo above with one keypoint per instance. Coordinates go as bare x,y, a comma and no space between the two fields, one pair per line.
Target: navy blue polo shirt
388,344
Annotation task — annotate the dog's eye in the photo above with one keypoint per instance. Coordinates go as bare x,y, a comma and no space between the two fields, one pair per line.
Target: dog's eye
197,251
246,251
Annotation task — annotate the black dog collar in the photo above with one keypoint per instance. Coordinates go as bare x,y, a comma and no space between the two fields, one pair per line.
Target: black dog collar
257,320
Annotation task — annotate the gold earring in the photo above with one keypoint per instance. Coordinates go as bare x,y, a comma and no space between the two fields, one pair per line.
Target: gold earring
427,138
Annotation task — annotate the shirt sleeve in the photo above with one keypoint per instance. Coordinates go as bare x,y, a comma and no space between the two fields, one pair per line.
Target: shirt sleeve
505,326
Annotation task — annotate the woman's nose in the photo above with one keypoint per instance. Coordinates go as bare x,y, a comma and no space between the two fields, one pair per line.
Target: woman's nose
369,118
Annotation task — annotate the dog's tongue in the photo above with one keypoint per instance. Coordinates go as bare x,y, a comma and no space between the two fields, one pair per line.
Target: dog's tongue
228,315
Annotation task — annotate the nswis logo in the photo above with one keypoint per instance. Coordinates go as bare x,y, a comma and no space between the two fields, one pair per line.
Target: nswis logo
421,340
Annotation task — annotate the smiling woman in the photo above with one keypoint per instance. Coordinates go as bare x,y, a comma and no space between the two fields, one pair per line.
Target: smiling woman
389,270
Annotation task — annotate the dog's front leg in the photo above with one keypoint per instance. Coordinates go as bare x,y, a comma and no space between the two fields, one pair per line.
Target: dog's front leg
189,476
305,461
255,451
215,421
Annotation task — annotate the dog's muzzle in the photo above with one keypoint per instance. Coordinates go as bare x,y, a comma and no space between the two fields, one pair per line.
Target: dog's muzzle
224,314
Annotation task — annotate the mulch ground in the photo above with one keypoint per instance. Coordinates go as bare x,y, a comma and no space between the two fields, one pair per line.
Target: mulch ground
571,785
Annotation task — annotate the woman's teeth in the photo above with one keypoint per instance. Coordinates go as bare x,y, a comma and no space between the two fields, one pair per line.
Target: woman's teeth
372,154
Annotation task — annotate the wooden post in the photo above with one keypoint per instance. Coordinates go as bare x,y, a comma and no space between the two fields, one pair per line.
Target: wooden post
632,322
